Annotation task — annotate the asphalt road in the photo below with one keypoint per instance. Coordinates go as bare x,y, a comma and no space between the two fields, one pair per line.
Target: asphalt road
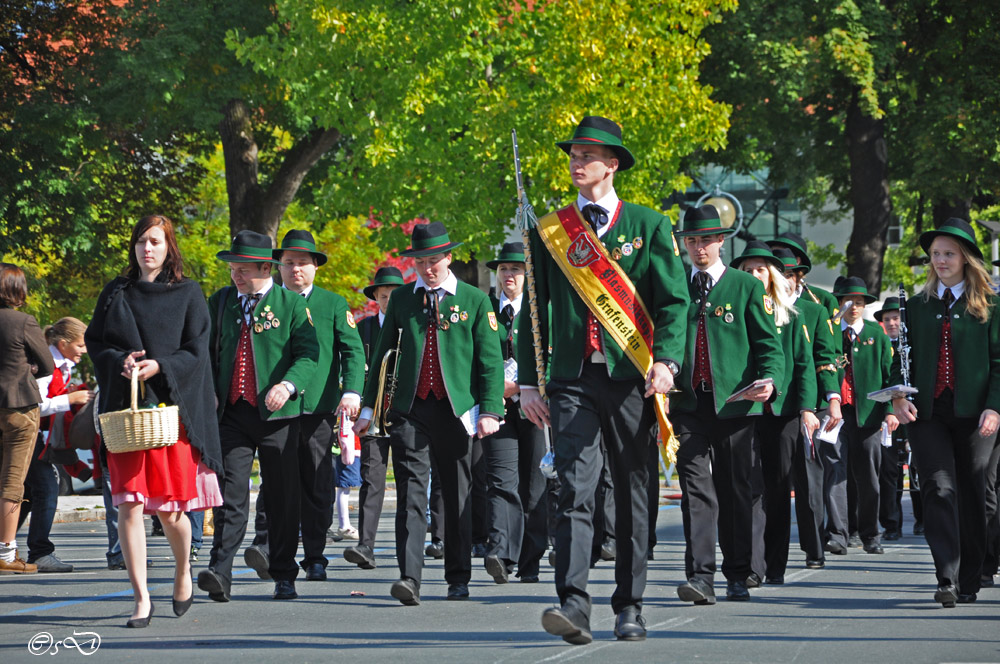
864,608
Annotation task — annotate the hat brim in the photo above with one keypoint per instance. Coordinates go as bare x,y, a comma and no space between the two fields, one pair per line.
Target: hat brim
773,261
230,257
413,253
704,231
369,290
878,314
625,158
494,264
319,256
868,298
927,237
795,249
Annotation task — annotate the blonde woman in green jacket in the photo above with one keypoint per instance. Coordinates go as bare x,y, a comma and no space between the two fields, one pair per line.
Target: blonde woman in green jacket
952,421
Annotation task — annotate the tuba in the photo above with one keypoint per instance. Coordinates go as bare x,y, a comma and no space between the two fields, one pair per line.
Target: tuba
379,426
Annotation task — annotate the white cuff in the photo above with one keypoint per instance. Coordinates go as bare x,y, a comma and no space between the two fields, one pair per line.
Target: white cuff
366,414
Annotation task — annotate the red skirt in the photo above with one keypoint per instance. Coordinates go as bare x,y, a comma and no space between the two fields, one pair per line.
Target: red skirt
170,475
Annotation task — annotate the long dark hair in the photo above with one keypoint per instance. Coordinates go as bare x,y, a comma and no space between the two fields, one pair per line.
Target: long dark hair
13,286
173,264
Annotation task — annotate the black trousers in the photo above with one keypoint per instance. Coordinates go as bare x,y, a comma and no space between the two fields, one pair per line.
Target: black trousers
992,558
431,431
864,462
242,433
890,513
316,475
714,463
371,495
480,495
585,411
953,458
653,491
833,458
511,458
757,506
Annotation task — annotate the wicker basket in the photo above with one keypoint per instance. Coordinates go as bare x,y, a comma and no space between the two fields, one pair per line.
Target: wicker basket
134,429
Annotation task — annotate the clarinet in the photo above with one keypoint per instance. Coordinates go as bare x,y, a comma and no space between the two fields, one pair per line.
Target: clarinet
904,341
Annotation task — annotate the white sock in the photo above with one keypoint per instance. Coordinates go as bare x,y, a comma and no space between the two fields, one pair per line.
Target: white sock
7,551
343,498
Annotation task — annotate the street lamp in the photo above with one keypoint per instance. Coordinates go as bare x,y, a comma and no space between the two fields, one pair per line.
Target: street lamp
728,206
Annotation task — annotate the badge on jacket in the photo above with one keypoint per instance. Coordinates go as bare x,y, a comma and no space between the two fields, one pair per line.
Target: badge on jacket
768,305
493,321
350,319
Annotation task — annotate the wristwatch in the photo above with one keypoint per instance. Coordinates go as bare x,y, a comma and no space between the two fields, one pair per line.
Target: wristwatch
290,386
673,367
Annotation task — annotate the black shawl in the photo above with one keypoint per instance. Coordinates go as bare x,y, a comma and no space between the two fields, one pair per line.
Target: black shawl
172,324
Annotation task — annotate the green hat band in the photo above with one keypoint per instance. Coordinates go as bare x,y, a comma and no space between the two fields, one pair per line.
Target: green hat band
757,253
789,262
958,232
298,245
700,225
436,242
596,136
853,290
254,253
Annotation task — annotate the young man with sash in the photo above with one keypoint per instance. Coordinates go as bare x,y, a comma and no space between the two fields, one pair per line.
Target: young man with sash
450,386
797,245
374,449
518,530
807,466
335,387
732,343
611,306
867,357
264,353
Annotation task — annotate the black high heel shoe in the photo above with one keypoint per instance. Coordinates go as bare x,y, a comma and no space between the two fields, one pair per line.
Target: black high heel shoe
180,608
142,622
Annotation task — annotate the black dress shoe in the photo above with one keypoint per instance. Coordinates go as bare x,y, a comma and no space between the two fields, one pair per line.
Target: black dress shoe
966,598
180,608
529,578
892,535
947,596
284,590
736,591
753,581
696,590
630,625
257,559
142,622
918,528
854,541
774,580
649,555
406,591
315,572
572,628
212,582
815,564
552,558
836,548
361,555
496,568
873,547
609,549
436,550
479,550
458,592
986,581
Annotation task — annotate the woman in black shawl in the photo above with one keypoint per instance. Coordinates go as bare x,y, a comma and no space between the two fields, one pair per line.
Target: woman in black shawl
156,320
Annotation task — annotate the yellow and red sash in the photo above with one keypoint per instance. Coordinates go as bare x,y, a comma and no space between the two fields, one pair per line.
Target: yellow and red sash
606,290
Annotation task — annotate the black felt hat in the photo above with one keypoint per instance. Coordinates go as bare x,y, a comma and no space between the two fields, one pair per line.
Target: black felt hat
248,247
891,304
756,249
595,130
787,257
955,228
702,220
296,240
797,244
848,286
385,276
429,239
512,252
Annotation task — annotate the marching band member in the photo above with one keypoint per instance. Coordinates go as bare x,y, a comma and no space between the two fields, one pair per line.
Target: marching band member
890,511
954,332
374,449
732,343
611,349
450,384
779,430
797,245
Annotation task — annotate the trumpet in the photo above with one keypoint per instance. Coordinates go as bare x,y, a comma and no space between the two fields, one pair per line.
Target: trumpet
379,425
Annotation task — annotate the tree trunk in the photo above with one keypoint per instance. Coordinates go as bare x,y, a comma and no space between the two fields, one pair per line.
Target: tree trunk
945,210
866,148
250,206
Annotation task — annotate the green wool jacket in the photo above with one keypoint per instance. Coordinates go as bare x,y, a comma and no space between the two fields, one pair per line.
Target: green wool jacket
871,360
657,274
286,352
796,387
743,344
975,352
341,364
821,330
507,324
468,351
823,297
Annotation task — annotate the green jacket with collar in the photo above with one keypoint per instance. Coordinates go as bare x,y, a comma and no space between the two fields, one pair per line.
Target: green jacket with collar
287,351
468,350
796,390
871,360
975,353
825,347
654,269
743,344
341,356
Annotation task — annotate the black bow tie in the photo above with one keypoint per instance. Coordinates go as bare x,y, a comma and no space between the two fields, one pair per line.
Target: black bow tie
595,215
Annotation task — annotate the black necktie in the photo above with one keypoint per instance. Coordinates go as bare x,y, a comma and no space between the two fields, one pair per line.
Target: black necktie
249,303
595,215
508,311
704,283
949,299
432,307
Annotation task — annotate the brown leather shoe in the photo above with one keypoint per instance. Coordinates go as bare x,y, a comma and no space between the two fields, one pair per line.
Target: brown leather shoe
18,566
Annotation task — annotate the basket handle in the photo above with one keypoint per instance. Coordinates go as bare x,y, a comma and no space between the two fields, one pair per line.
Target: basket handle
135,389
